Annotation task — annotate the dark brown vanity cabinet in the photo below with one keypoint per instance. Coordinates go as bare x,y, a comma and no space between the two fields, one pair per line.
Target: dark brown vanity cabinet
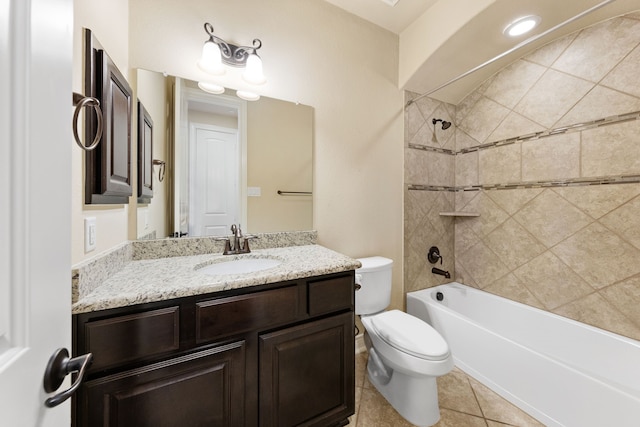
276,355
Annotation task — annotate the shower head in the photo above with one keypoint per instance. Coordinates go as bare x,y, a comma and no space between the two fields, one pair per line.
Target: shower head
445,124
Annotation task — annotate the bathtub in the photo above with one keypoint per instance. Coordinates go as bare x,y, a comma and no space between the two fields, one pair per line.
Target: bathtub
562,372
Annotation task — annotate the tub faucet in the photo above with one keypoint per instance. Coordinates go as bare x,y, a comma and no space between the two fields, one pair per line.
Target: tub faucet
446,274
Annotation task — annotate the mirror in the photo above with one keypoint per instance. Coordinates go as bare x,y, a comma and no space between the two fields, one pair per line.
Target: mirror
228,161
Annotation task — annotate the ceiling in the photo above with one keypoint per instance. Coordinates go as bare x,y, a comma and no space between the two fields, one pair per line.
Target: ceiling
477,40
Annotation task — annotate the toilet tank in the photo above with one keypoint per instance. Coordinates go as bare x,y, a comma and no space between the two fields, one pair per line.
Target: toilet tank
374,278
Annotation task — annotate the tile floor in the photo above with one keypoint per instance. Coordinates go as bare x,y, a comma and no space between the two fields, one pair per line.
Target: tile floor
464,402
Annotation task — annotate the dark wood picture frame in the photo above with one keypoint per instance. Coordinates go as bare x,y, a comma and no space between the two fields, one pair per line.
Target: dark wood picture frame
145,155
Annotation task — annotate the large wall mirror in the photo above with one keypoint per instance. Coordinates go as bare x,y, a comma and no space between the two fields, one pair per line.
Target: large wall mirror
228,161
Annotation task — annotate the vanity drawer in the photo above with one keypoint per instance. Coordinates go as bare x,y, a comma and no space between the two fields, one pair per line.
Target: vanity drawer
329,295
123,339
222,317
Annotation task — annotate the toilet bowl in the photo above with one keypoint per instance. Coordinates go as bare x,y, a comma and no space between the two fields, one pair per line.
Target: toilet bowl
405,353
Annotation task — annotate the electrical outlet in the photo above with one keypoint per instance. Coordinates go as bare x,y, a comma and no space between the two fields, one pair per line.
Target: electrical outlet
254,191
89,234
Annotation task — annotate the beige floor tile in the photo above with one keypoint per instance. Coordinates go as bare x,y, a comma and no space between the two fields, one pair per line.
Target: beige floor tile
375,411
450,418
495,408
455,392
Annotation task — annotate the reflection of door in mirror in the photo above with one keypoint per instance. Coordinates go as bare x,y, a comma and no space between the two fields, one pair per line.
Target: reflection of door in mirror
209,157
214,162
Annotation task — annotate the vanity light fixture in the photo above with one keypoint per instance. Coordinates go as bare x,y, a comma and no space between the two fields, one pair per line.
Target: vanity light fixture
522,25
217,54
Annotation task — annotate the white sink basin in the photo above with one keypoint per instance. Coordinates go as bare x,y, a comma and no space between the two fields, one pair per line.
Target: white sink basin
240,266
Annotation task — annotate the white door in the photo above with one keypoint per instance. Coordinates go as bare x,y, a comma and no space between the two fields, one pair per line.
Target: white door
214,187
35,203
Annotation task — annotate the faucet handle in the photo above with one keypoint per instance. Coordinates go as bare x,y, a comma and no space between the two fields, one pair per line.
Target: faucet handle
227,244
434,255
245,243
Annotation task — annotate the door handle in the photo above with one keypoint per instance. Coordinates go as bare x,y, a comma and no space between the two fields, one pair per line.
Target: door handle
59,366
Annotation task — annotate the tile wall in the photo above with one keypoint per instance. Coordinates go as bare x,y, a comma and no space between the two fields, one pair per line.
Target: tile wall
547,152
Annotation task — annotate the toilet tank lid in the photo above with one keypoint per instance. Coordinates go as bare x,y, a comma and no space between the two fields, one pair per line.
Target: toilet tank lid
374,263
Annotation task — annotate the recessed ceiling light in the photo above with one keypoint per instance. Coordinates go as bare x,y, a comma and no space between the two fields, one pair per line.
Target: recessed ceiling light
391,2
522,25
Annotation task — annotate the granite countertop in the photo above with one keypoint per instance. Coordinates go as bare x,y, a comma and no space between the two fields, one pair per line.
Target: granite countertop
160,279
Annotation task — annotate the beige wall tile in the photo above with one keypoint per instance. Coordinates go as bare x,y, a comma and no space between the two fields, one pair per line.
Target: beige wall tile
491,215
510,84
595,310
548,53
514,125
599,103
598,200
599,256
513,244
551,282
500,164
513,200
601,46
483,118
510,287
611,150
625,221
483,265
554,157
625,296
624,76
441,169
466,169
551,219
551,97
416,166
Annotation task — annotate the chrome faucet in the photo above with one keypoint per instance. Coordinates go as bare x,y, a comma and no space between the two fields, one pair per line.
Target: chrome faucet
232,245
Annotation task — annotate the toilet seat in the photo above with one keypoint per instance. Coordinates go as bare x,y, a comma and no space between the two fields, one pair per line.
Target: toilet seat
410,335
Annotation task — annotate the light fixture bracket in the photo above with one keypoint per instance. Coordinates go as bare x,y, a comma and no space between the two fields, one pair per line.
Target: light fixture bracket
232,55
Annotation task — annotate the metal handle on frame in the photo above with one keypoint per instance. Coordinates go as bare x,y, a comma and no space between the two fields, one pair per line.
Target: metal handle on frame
294,193
80,101
59,366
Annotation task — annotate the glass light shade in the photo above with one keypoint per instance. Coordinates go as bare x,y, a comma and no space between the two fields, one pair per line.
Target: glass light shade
211,59
253,70
522,25
247,96
211,88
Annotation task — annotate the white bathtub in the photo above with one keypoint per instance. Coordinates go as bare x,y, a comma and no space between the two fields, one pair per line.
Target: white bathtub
562,372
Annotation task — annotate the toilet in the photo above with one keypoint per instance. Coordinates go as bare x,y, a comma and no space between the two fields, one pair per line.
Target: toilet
405,353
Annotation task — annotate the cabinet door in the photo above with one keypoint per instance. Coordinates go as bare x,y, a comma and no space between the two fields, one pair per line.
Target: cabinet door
307,374
200,389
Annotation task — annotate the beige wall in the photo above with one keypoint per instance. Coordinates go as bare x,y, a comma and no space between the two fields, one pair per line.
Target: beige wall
569,249
279,138
151,91
314,53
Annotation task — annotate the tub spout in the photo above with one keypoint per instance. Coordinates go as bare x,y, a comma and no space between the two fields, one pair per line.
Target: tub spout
446,274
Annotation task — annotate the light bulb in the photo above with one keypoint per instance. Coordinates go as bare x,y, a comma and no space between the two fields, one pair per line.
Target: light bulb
253,70
211,88
211,59
247,96
522,25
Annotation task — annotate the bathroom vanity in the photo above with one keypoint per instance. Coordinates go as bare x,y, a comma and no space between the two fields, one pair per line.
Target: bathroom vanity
275,354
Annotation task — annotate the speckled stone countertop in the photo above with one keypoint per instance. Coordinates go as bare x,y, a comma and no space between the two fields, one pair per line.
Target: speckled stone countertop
149,280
